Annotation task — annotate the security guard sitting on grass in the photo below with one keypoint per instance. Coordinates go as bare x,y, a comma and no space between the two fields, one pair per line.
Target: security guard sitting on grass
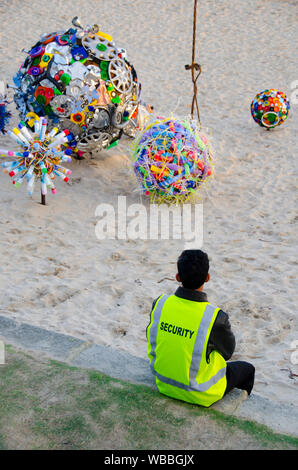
190,340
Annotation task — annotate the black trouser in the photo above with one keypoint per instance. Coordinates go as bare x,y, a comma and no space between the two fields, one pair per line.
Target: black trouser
241,375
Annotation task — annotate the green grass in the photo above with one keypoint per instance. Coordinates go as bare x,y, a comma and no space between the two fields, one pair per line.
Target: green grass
46,404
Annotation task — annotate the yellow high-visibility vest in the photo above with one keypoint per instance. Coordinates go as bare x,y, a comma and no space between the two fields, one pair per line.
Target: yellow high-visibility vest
178,336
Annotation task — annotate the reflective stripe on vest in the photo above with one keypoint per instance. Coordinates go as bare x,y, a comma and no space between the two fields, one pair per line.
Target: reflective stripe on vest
197,351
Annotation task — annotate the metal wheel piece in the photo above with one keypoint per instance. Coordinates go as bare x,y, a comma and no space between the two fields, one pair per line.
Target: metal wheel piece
99,47
120,75
94,141
101,119
62,105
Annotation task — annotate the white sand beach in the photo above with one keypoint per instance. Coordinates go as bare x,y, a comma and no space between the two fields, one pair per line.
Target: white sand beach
56,274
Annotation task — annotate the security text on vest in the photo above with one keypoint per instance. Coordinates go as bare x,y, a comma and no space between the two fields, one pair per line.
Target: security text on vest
176,330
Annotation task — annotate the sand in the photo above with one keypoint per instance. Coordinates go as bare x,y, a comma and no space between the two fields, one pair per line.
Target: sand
56,274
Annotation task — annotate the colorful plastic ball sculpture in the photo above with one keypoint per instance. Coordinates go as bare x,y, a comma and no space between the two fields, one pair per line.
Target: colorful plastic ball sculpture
81,81
270,108
171,160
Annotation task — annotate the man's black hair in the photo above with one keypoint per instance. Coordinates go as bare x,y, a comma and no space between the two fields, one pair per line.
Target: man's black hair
193,267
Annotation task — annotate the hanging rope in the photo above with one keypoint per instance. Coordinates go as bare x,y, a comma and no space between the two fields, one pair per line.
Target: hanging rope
194,67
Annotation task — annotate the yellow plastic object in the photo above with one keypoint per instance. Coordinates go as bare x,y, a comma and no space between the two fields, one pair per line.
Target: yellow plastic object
34,117
45,59
104,36
157,170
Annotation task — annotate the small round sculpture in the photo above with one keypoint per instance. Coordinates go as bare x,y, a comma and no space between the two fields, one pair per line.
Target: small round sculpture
171,160
81,81
270,108
39,157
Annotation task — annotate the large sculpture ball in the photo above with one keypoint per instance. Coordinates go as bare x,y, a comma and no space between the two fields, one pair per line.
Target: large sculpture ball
81,81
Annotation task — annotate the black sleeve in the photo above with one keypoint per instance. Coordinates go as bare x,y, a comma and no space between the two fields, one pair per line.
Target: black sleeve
221,337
